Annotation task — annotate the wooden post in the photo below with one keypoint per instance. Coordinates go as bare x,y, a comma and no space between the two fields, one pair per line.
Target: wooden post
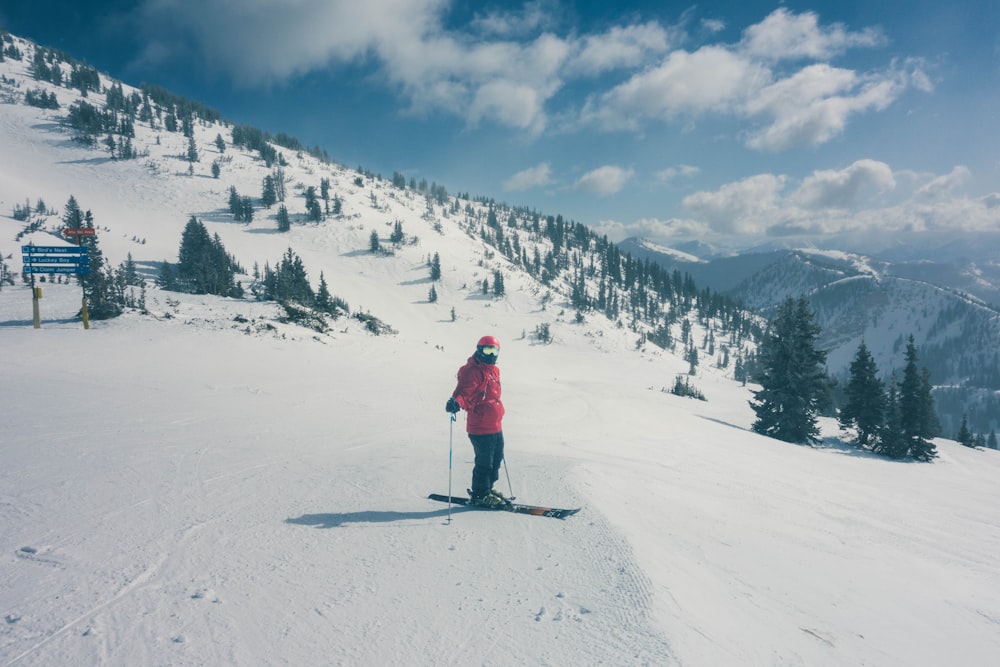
36,295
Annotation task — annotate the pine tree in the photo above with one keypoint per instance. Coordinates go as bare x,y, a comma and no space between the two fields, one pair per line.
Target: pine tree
792,378
72,215
98,282
917,408
892,443
235,203
204,266
324,302
865,408
432,295
268,196
965,436
284,223
498,287
991,440
436,268
373,242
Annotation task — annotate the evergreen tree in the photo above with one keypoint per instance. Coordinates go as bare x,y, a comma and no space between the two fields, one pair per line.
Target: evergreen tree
311,199
965,436
792,378
397,236
235,203
436,268
279,183
284,223
865,409
288,282
324,301
498,287
166,278
432,295
268,196
892,443
246,209
220,143
917,408
98,282
216,169
72,215
204,266
373,242
991,440
192,151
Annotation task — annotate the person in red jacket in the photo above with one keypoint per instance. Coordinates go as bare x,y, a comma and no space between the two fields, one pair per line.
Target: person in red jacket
478,393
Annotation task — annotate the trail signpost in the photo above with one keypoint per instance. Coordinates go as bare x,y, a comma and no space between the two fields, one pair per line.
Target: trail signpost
58,260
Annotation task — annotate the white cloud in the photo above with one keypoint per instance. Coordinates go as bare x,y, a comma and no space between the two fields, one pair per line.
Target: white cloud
945,186
813,106
796,107
620,46
786,35
534,177
713,25
709,80
604,181
509,67
852,188
851,200
533,16
747,206
671,174
651,228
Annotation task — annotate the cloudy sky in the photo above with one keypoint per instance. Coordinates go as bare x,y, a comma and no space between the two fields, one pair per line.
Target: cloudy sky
736,119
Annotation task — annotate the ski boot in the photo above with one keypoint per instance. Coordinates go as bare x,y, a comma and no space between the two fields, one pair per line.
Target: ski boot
485,499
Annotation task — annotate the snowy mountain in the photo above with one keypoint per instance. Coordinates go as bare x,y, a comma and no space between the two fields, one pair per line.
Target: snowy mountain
203,480
859,297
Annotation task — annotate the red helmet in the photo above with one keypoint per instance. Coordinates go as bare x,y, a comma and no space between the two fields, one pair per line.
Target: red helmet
488,340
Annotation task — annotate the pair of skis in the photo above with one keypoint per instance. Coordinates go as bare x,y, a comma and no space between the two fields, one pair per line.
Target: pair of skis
516,508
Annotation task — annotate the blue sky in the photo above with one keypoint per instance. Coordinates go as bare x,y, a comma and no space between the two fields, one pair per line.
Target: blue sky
740,119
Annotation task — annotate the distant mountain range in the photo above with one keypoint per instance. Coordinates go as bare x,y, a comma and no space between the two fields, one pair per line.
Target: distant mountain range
946,304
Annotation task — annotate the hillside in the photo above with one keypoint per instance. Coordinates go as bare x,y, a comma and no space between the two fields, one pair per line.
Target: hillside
203,482
857,297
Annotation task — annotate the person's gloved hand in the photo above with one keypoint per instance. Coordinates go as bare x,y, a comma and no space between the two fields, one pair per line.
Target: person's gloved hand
452,406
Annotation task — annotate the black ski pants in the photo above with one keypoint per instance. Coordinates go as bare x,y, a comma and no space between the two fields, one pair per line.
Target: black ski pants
489,456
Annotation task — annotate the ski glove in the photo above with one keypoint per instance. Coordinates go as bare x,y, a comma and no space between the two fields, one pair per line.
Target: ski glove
452,406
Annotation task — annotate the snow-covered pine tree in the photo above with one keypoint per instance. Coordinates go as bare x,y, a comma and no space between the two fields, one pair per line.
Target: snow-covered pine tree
792,376
865,407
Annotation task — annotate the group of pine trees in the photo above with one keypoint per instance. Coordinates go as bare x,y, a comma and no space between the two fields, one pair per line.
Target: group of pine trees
107,289
895,419
203,265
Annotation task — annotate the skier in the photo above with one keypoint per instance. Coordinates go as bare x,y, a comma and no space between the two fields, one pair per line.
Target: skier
478,393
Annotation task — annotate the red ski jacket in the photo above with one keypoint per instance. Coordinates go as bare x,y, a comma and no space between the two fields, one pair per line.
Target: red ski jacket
478,392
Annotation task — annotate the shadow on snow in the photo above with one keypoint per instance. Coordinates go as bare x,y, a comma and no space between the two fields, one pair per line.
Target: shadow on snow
338,520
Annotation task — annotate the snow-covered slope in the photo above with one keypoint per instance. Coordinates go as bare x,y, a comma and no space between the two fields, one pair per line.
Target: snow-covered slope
206,484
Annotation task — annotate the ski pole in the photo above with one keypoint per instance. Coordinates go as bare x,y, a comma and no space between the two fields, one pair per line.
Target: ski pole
506,472
451,430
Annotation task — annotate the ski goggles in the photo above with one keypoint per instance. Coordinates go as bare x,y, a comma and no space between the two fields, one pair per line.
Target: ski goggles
491,349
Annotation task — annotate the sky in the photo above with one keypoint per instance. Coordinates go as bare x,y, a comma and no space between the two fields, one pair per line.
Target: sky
739,120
